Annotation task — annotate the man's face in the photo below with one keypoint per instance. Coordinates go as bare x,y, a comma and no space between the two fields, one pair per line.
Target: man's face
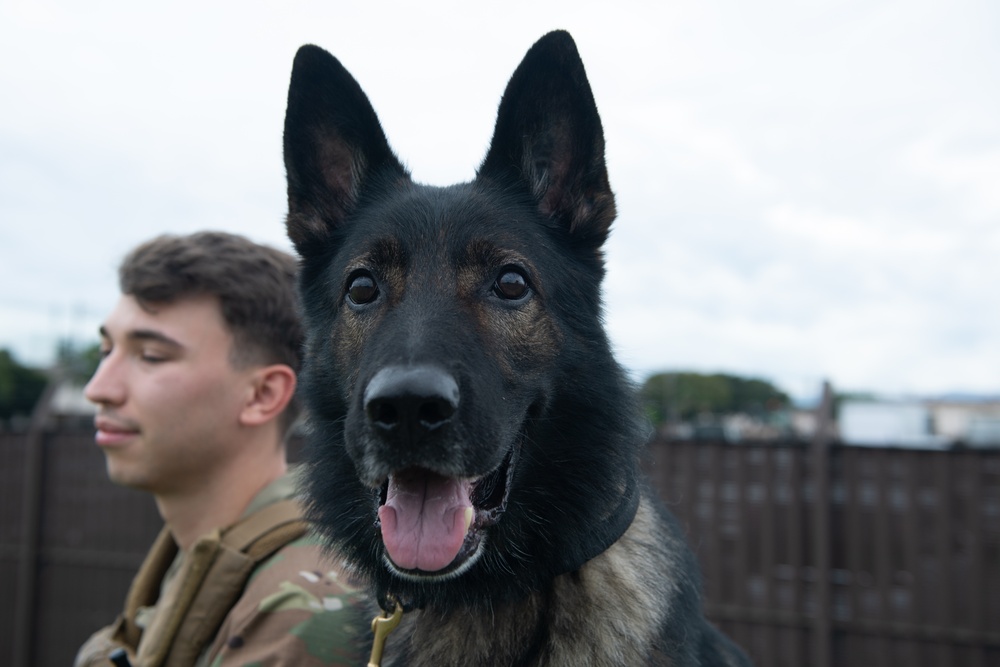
168,396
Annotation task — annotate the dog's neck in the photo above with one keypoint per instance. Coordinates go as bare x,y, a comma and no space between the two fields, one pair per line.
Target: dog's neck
569,624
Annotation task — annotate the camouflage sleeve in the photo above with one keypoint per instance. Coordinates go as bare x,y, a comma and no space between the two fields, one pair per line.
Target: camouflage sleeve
297,609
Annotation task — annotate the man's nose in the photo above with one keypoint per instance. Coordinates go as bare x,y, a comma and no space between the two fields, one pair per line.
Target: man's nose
106,385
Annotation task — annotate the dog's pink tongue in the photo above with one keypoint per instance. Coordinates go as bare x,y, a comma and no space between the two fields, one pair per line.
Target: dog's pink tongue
424,519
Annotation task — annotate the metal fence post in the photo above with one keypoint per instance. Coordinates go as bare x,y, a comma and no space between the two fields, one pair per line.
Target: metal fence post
822,644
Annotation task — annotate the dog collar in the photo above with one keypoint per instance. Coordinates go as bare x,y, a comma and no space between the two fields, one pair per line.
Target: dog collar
610,530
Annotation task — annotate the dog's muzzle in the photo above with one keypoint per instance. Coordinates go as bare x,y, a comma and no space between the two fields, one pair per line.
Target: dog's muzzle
432,524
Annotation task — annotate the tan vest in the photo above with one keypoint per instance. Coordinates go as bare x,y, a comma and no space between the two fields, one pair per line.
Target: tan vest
210,581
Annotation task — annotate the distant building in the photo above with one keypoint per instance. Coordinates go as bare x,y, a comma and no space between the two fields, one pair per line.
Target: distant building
932,424
975,423
804,423
69,401
886,423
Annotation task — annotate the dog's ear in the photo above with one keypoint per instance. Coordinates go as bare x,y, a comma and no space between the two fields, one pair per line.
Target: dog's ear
333,146
549,136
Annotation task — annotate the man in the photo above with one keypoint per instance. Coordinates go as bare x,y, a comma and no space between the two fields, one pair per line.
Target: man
195,392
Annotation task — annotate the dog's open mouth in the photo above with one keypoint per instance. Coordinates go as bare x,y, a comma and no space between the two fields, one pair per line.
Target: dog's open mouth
434,526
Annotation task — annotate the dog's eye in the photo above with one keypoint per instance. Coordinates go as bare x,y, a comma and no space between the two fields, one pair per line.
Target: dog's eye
362,289
511,285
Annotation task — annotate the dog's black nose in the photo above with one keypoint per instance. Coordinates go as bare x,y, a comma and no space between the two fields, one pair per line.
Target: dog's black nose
411,400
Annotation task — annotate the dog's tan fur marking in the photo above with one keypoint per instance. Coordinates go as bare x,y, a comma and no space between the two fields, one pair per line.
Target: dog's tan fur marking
526,336
605,614
386,261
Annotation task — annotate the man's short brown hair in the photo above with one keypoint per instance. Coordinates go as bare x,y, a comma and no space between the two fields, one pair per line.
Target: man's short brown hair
254,283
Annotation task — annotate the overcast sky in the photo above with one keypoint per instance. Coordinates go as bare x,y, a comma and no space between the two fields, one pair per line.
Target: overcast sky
805,190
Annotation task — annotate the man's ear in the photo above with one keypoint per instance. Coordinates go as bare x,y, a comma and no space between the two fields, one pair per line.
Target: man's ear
272,387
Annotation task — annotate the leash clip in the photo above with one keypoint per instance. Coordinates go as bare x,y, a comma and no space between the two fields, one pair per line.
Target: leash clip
382,625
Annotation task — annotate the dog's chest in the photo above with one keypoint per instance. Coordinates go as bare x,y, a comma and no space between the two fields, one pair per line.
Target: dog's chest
602,615
541,645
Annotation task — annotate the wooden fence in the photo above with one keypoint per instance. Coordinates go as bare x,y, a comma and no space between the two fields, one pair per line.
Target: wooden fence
831,555
897,564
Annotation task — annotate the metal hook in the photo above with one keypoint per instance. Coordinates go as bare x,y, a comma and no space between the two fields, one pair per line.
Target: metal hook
382,625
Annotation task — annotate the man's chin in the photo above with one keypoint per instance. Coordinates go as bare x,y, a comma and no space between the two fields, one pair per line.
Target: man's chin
123,475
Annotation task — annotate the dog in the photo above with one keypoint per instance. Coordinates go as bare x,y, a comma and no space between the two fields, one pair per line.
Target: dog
475,448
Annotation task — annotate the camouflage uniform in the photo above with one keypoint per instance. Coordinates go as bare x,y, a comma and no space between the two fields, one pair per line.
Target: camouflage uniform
292,613
296,609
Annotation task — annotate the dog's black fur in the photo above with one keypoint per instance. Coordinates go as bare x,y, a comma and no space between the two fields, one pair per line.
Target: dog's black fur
455,343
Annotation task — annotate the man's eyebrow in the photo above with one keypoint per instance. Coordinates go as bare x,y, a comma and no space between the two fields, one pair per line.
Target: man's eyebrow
142,335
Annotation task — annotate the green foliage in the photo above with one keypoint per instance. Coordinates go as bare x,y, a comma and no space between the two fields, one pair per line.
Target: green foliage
20,386
672,397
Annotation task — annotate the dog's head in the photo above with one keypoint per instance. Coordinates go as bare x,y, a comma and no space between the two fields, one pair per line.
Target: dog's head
472,432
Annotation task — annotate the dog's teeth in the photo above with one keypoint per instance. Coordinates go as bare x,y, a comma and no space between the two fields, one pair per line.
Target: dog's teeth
469,515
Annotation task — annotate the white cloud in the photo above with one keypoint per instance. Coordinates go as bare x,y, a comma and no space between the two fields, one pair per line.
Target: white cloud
805,191
963,166
872,238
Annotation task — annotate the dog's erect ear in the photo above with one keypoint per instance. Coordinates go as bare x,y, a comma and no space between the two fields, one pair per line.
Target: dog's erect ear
548,135
333,145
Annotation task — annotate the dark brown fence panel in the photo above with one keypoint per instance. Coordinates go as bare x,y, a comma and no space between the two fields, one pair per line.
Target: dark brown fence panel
91,537
12,449
911,574
94,535
911,569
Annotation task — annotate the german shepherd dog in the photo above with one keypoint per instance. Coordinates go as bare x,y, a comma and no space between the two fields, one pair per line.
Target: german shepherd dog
475,447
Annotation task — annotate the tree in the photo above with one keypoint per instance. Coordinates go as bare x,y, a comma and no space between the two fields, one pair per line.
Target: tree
673,397
20,386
